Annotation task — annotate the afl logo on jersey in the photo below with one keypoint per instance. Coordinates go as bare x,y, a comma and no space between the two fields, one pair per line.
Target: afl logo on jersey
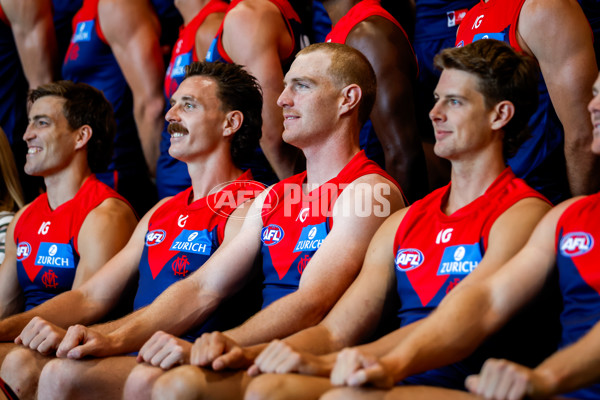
576,243
271,234
155,237
407,259
23,251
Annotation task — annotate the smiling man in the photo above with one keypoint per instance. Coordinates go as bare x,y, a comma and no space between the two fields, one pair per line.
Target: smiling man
64,236
452,238
215,117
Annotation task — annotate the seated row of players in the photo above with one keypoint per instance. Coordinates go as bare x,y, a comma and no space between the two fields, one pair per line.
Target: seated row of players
328,93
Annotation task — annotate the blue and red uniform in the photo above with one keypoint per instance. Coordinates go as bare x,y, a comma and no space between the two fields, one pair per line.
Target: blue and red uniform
63,12
433,252
46,239
339,34
90,60
259,164
577,254
182,236
172,175
295,224
540,160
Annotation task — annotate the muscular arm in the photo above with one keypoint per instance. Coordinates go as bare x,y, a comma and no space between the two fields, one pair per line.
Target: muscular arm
206,33
11,296
190,301
486,299
393,115
328,274
256,36
104,232
567,61
33,30
132,31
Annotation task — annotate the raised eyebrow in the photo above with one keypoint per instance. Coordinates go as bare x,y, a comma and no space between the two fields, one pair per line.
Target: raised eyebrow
173,100
37,117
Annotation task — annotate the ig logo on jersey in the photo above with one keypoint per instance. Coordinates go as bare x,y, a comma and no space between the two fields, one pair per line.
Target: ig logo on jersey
576,243
271,234
407,259
155,237
23,251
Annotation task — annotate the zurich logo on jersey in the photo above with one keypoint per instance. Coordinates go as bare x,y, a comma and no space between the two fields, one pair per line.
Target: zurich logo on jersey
271,234
408,259
83,31
197,242
311,238
59,255
575,244
155,237
460,260
23,251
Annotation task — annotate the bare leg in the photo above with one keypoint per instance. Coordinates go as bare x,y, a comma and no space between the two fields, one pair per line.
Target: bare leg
190,382
21,370
286,386
140,381
86,379
397,393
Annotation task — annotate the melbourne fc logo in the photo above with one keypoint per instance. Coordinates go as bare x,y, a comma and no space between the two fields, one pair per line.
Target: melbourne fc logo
155,237
271,234
23,251
575,244
408,259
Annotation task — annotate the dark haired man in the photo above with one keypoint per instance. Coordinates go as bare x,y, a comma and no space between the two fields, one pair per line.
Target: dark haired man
312,229
63,237
215,114
452,238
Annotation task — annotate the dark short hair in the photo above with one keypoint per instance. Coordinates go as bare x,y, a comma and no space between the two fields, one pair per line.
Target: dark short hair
349,66
85,105
238,91
503,75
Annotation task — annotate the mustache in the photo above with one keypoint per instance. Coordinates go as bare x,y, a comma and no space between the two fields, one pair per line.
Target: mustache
176,127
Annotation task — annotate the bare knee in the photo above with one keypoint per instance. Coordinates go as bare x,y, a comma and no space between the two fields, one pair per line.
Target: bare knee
266,387
182,383
58,379
21,370
140,381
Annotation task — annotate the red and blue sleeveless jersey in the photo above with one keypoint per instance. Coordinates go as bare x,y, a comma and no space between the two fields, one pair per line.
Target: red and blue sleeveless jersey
433,251
172,175
540,160
339,34
46,239
295,225
577,255
90,59
63,12
182,236
184,52
13,85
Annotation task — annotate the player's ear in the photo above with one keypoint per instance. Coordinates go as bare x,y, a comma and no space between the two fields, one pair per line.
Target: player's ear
502,114
84,134
233,122
351,96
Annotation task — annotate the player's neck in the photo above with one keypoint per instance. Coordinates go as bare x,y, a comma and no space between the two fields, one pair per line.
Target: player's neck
324,162
336,9
470,179
190,8
63,185
210,173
